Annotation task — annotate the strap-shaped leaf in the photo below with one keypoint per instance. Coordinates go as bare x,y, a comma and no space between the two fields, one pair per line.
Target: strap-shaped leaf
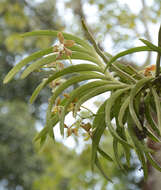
127,52
152,136
99,126
53,120
116,154
129,69
158,106
152,46
123,75
81,49
41,134
148,116
139,148
78,91
37,91
127,155
109,104
121,132
24,62
105,155
55,117
69,82
122,111
142,158
48,128
95,92
153,162
51,58
139,85
98,164
54,34
65,71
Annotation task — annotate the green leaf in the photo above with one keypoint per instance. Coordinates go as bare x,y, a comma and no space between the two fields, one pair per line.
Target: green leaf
51,58
41,134
153,162
77,93
37,90
148,115
139,148
127,52
142,158
129,69
55,118
122,111
47,129
123,75
98,164
53,33
37,65
158,106
152,136
25,61
69,82
99,126
78,48
116,154
96,91
105,155
65,71
109,104
152,46
135,90
121,132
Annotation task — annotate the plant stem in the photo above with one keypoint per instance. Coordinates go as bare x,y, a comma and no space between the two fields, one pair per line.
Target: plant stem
158,56
94,43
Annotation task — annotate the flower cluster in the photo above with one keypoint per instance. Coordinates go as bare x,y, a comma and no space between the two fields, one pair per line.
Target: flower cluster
150,70
62,47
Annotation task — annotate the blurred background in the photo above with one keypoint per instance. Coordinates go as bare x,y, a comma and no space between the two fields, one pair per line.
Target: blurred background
64,165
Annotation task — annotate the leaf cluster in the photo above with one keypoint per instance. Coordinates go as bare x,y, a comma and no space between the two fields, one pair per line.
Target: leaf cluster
134,97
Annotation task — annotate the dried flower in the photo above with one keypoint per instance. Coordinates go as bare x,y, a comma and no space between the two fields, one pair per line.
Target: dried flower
62,47
66,95
58,101
56,82
69,132
86,126
75,131
149,71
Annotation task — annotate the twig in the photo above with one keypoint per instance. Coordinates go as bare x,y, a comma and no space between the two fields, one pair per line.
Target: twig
158,56
94,43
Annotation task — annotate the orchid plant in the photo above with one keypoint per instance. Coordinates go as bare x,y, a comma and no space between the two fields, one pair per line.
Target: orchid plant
134,96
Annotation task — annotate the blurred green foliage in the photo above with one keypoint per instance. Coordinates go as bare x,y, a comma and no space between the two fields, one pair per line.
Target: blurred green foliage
19,165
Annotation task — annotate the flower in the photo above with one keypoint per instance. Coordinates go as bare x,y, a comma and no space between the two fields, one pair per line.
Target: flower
62,47
149,71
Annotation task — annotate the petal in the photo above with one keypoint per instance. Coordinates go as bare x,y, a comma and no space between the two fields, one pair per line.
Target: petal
69,132
68,52
59,56
69,43
60,37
